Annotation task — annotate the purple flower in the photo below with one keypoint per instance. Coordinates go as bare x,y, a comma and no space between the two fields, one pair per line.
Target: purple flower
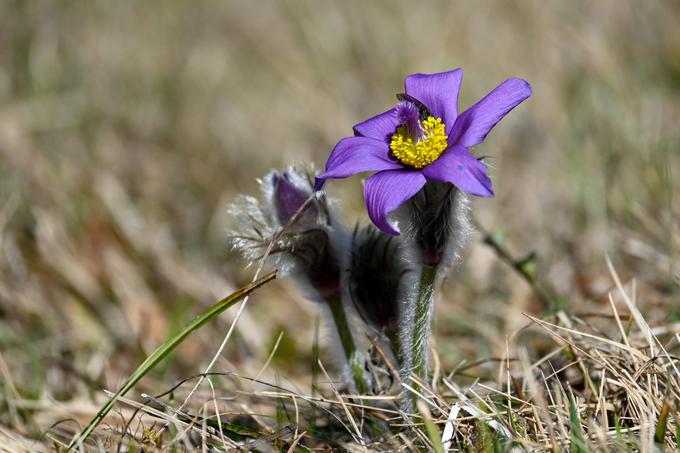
423,138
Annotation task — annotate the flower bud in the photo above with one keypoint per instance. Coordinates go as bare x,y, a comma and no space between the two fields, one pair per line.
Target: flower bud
289,194
298,224
376,275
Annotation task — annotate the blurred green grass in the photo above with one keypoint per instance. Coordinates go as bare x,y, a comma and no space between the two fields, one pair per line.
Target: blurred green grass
127,127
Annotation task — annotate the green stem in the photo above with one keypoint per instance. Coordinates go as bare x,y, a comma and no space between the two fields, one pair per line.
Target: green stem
422,323
395,344
347,342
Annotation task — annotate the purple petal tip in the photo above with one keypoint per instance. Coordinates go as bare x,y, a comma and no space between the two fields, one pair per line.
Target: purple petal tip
318,183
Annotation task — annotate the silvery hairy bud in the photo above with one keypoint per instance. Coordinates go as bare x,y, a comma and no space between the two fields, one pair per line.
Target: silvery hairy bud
377,273
294,225
298,224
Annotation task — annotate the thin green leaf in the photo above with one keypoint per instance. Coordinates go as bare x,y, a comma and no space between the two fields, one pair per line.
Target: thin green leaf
432,431
166,348
662,422
578,443
315,366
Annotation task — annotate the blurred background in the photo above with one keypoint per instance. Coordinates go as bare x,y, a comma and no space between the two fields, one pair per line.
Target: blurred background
126,128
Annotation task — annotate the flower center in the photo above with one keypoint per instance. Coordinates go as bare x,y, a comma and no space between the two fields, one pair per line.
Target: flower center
422,149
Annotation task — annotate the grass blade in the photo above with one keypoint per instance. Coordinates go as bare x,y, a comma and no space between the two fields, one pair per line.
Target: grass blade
166,348
432,431
660,432
578,443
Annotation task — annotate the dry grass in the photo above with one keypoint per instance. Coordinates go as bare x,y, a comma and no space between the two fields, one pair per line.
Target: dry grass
609,382
125,129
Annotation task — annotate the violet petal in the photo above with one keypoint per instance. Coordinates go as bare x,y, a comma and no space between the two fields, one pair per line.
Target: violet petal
438,92
354,155
475,123
380,127
460,168
289,198
386,191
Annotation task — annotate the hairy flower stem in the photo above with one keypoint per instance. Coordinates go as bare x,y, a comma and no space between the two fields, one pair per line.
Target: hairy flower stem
347,342
422,327
395,345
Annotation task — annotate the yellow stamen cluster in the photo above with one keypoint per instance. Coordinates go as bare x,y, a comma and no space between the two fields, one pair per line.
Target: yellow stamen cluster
422,152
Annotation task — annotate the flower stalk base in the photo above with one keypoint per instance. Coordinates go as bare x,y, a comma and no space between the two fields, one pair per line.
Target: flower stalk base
422,326
349,349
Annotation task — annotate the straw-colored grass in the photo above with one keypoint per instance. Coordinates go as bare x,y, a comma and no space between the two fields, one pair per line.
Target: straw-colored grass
126,129
608,383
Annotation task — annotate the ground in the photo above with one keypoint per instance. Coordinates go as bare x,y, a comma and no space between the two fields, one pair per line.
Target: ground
127,128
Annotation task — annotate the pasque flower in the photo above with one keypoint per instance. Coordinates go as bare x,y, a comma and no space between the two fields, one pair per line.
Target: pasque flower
296,227
422,138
